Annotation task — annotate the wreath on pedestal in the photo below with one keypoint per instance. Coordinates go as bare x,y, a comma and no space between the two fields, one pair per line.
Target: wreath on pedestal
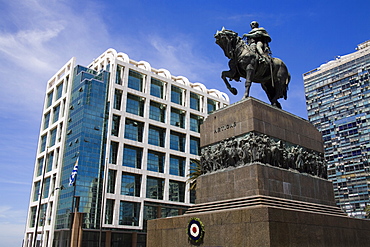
195,231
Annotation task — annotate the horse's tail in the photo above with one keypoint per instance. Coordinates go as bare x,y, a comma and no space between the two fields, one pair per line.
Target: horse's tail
286,88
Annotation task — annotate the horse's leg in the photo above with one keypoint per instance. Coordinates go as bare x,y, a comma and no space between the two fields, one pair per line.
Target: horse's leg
271,93
232,74
267,87
273,96
224,76
277,104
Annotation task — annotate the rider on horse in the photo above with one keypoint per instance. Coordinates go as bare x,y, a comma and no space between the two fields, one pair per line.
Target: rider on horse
259,38
244,62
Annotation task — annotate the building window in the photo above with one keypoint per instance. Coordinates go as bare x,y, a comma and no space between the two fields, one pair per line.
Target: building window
177,166
157,111
109,209
156,161
129,213
177,141
43,143
211,105
169,212
157,88
50,213
53,137
42,213
63,107
177,118
49,99
56,111
134,130
156,136
177,191
119,74
45,193
113,152
36,191
117,99
135,80
59,91
111,184
130,184
177,95
135,105
33,216
150,213
49,159
154,188
46,120
194,145
115,125
192,194
195,122
132,156
194,101
40,164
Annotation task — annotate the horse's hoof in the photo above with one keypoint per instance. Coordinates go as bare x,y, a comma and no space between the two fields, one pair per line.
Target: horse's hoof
234,91
277,104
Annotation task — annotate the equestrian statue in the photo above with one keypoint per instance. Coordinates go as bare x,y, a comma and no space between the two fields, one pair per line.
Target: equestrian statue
252,60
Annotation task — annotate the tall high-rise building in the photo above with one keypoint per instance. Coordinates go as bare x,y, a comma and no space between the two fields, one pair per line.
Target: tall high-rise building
133,132
338,104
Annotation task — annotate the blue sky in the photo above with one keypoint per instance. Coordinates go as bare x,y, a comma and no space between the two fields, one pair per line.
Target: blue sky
37,37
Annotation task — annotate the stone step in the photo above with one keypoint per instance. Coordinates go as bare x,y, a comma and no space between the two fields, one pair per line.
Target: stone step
265,201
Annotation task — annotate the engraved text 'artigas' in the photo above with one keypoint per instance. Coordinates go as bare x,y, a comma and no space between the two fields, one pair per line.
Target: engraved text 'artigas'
225,127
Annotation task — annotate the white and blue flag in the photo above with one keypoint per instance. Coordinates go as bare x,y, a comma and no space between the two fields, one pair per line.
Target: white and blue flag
72,178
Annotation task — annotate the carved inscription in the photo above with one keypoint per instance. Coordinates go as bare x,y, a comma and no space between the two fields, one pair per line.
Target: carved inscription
225,127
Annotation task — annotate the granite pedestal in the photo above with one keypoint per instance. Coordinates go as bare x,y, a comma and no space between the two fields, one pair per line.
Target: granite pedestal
258,204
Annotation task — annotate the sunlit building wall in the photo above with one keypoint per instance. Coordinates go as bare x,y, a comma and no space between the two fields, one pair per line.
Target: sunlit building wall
137,125
338,104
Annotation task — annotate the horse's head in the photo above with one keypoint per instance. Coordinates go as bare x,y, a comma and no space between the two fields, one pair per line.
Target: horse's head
225,36
224,39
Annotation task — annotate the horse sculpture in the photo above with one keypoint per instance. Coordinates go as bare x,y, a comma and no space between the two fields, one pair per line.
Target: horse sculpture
245,62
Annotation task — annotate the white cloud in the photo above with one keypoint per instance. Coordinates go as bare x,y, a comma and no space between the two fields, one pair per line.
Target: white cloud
26,48
10,215
39,38
179,55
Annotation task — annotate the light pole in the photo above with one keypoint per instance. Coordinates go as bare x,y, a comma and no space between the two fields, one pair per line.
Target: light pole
44,216
40,198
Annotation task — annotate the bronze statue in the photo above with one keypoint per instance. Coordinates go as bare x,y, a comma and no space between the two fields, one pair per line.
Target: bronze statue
259,38
253,62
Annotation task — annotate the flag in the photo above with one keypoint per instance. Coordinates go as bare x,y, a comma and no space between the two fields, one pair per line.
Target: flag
72,178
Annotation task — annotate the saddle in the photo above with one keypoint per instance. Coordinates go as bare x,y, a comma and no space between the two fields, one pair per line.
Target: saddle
263,62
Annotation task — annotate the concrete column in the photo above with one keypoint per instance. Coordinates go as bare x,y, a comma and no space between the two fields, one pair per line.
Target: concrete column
134,239
76,236
108,238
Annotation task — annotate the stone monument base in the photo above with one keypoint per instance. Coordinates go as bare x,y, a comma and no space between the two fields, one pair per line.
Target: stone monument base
242,202
264,219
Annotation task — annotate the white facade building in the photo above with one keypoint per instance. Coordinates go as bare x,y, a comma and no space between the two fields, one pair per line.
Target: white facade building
136,124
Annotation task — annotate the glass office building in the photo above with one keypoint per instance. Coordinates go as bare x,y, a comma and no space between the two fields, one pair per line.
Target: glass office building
338,104
133,131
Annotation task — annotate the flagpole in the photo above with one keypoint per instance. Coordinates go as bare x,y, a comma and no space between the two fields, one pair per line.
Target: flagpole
103,200
73,181
40,198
